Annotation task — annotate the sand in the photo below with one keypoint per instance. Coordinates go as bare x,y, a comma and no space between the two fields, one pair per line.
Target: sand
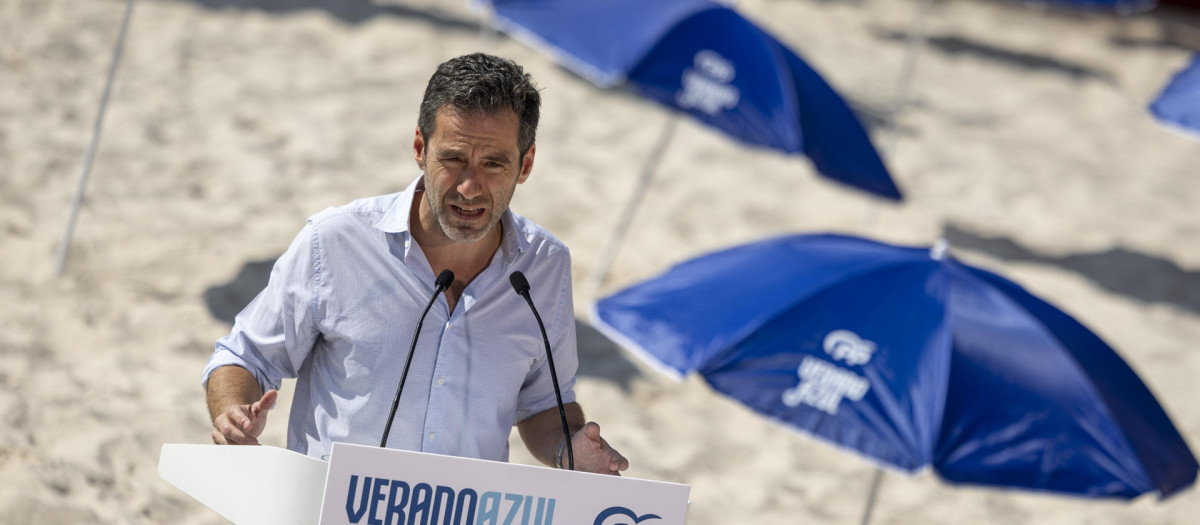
1026,143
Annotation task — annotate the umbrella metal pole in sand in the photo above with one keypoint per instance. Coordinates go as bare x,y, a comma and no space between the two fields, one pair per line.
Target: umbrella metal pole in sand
64,244
600,273
914,42
876,480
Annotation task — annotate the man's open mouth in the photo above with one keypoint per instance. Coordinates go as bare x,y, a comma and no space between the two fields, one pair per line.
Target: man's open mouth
466,213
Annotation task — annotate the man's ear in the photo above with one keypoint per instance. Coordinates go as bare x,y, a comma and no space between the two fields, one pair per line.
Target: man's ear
527,164
419,149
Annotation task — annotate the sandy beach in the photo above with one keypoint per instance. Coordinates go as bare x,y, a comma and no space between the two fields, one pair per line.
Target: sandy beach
1025,142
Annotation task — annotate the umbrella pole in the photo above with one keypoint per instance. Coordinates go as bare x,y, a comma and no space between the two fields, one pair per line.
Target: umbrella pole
64,244
875,482
600,273
914,42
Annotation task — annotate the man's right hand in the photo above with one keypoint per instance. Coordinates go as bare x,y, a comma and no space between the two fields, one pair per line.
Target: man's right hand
242,424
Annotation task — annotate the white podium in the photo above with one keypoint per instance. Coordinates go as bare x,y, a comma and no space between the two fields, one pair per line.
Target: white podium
363,485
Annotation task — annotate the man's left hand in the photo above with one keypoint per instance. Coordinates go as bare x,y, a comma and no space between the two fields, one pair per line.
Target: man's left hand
593,454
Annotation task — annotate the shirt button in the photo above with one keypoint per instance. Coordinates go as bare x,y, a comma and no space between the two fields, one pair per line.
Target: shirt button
441,380
432,435
449,324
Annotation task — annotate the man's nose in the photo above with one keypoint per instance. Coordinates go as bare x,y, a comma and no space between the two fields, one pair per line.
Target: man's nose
469,183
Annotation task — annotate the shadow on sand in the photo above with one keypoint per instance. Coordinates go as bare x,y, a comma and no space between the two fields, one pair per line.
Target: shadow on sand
599,357
955,45
1175,26
349,11
1118,270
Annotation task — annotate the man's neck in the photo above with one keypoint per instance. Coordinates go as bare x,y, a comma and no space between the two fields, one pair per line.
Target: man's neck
466,260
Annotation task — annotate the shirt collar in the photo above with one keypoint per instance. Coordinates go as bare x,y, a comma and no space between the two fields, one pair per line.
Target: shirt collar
395,220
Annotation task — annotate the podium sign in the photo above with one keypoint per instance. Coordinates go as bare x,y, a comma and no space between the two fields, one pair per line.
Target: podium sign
374,486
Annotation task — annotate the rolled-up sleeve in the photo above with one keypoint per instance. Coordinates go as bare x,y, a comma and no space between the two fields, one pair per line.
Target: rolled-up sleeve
273,335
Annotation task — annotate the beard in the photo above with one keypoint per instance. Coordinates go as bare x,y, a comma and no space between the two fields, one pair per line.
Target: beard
460,230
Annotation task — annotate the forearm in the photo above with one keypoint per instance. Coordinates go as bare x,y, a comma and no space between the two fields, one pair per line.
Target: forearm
231,385
543,434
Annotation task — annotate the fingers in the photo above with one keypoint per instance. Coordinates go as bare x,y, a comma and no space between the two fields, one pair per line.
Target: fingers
260,407
241,415
592,431
238,426
619,463
242,424
236,439
613,462
227,432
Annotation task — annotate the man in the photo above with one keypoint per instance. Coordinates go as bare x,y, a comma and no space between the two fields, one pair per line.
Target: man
343,302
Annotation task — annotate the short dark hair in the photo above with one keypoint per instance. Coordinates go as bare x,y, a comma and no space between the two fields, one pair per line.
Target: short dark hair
482,83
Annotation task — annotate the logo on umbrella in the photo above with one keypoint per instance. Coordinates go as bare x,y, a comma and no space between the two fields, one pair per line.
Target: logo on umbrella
706,86
950,377
823,385
847,346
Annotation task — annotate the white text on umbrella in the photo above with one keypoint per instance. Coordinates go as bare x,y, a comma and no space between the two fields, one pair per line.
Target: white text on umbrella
706,87
823,385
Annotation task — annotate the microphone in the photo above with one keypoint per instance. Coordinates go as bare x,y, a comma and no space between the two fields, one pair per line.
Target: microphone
521,286
439,285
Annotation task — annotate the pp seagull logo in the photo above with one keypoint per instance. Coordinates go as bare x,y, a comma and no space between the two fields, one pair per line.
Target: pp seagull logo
849,347
619,516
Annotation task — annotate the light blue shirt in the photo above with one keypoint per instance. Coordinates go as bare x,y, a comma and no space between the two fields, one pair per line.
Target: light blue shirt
339,312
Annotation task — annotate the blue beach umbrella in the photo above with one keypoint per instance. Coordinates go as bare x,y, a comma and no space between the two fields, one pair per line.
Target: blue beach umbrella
1178,106
911,358
705,59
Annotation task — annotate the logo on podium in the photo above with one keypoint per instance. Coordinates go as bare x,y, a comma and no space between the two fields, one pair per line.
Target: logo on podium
374,486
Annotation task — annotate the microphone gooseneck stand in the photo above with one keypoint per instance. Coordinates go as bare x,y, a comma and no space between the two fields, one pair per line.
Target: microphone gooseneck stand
521,286
440,285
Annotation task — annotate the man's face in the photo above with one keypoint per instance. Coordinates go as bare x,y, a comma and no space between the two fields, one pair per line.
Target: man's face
472,166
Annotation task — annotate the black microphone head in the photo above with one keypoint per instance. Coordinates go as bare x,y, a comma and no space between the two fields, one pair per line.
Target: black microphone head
444,279
519,284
